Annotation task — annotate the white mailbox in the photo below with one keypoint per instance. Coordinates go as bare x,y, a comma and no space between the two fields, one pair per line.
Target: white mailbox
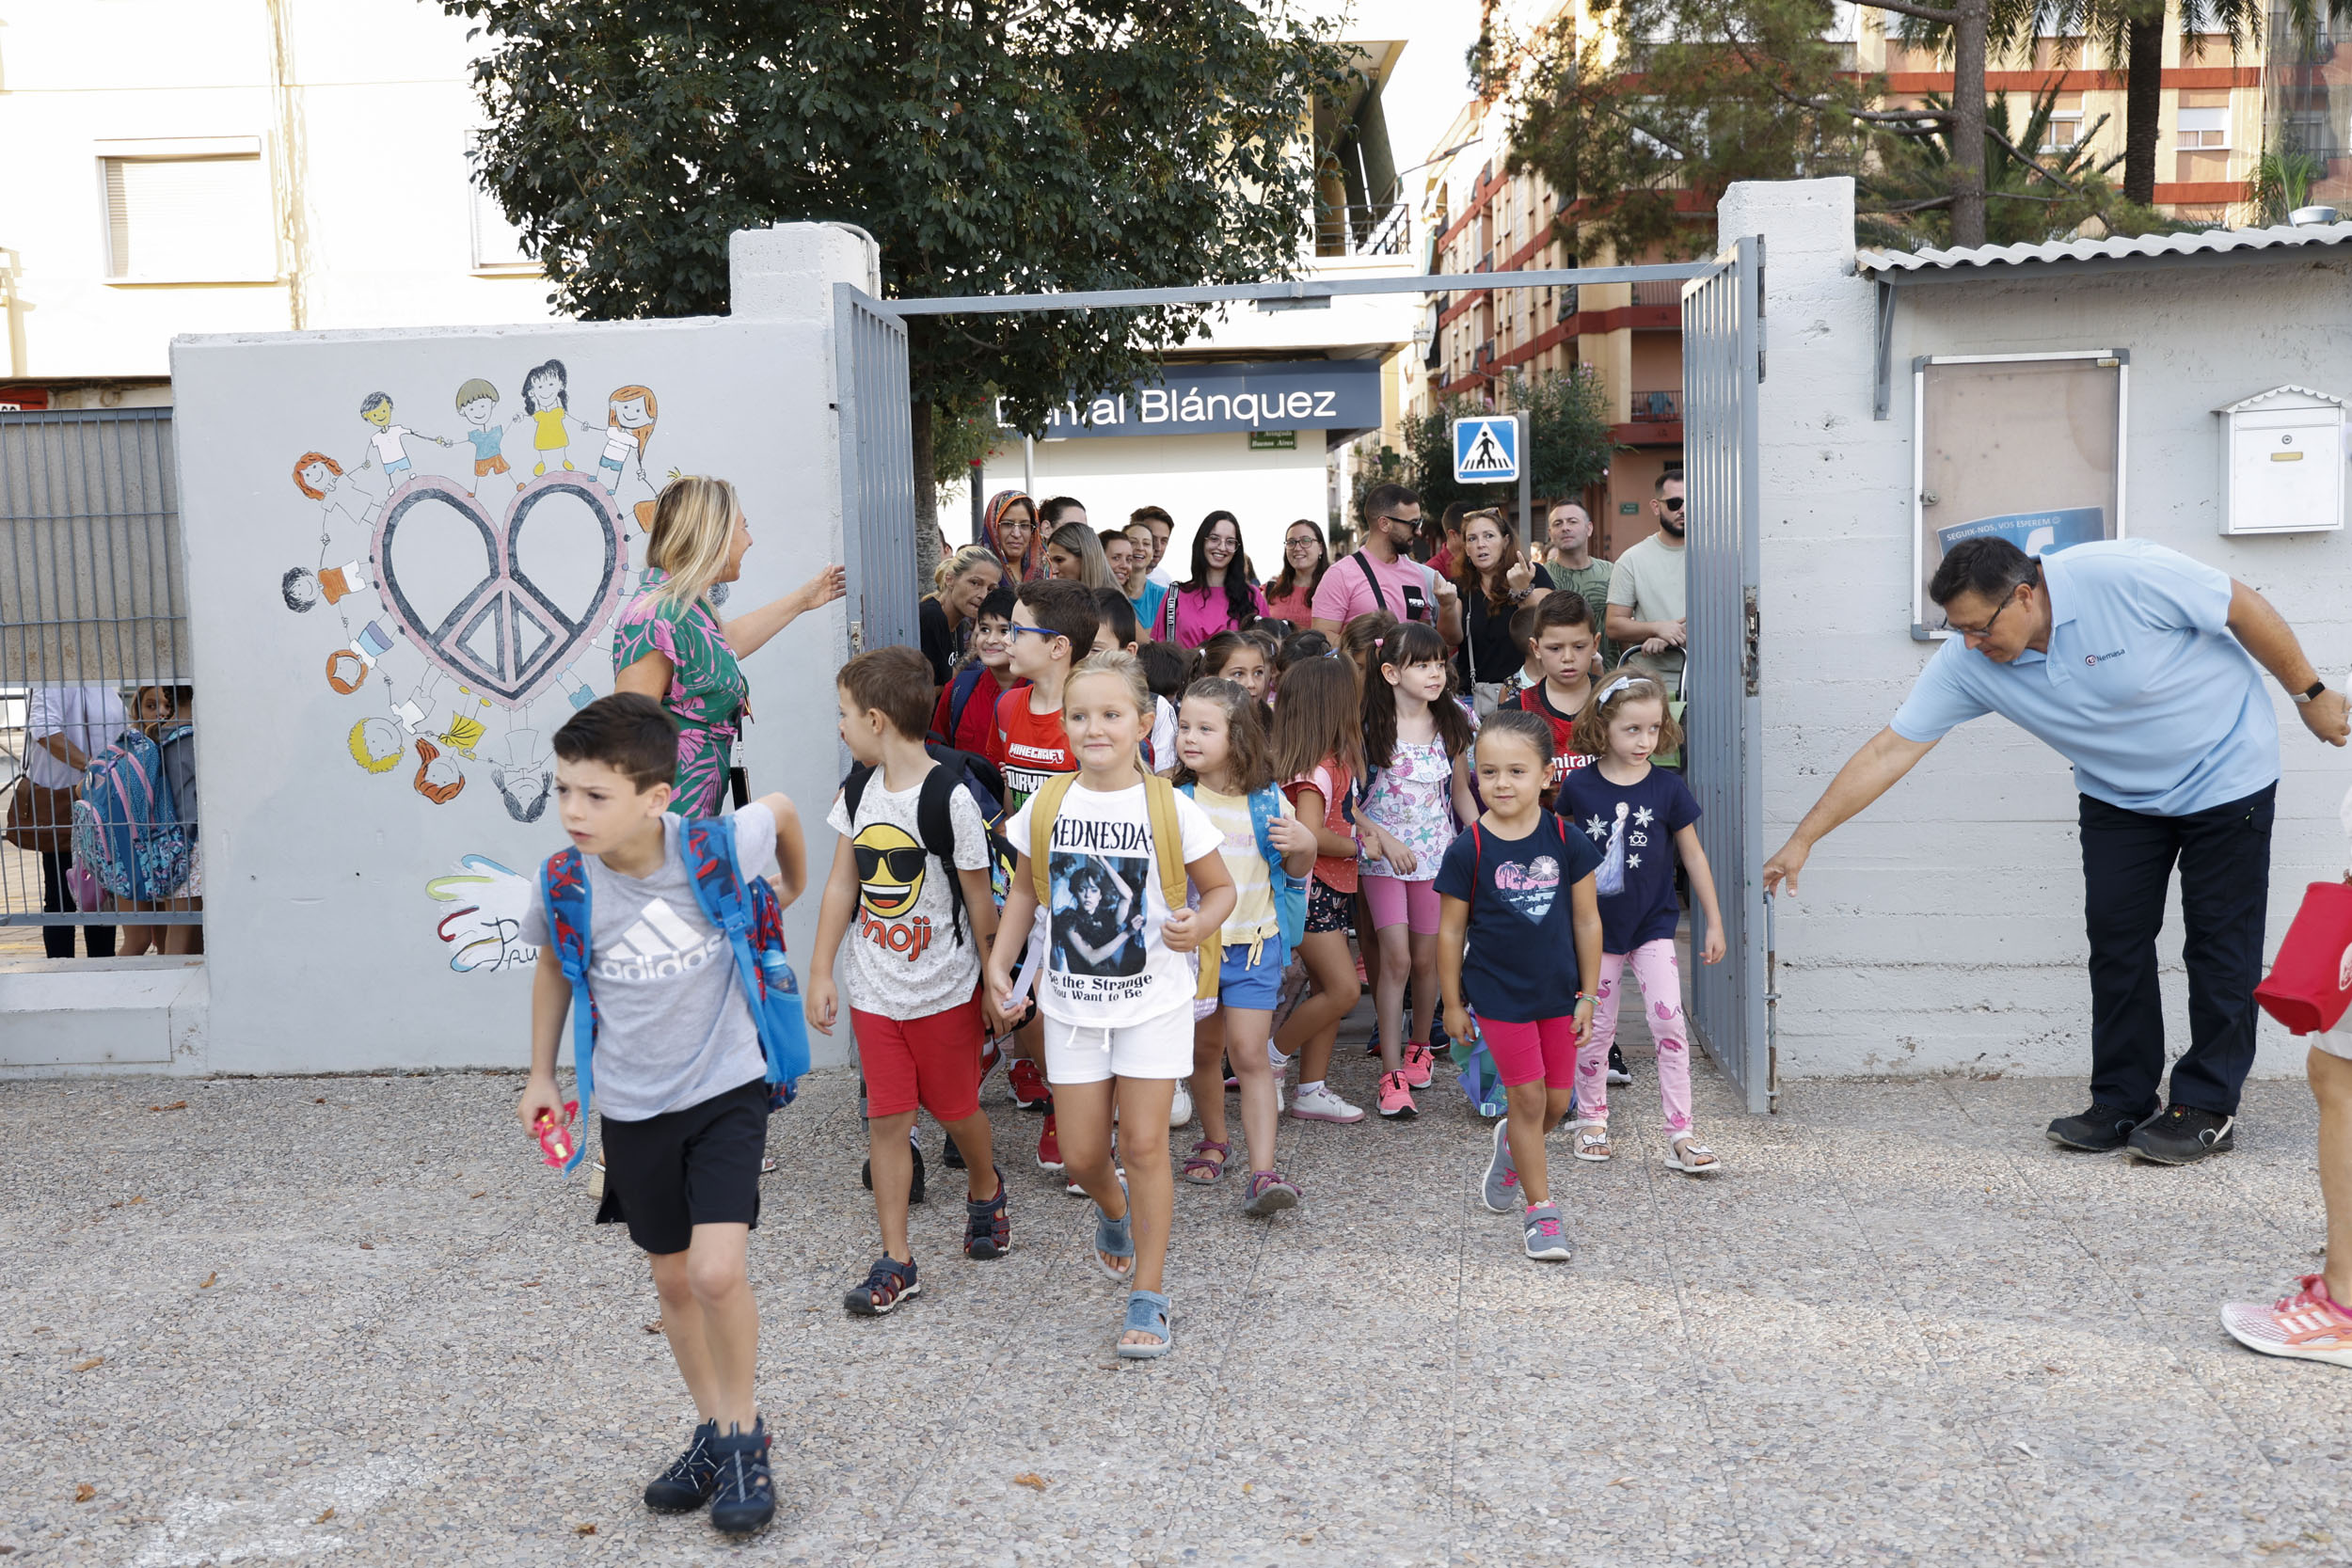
2283,460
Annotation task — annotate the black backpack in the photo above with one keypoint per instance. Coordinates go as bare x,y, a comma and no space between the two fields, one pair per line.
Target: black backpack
977,778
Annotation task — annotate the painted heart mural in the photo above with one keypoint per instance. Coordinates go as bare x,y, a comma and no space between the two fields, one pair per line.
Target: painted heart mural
474,604
1529,888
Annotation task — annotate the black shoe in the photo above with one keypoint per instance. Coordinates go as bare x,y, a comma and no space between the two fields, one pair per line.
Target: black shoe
914,1186
1618,1074
2184,1135
746,1496
2101,1130
950,1156
691,1478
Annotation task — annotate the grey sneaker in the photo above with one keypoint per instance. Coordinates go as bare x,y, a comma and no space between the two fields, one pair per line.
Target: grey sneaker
1547,1239
1503,1177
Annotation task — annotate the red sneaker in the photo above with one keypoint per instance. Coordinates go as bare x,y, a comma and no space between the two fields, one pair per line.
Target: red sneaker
1029,1088
1420,1063
1049,1147
2308,1325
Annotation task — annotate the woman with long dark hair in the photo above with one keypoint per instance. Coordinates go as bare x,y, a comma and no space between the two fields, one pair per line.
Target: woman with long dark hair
1219,594
1495,582
1290,596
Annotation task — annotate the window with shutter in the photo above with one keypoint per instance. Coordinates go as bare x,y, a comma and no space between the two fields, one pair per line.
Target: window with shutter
189,220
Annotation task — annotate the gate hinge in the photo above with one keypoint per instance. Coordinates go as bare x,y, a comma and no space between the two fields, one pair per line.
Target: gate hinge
1748,660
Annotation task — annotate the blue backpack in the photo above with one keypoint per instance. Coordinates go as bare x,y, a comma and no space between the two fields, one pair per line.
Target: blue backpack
754,923
127,829
1290,893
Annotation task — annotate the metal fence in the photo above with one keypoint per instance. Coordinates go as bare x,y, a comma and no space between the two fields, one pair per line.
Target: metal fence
1723,363
93,649
869,345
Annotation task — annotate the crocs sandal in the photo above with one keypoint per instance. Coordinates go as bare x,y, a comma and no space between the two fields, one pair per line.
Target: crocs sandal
1692,1157
1147,1312
1116,1237
987,1231
1200,1162
1592,1143
888,1283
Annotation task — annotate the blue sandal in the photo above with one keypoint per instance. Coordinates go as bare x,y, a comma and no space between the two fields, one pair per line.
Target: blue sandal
1147,1312
1116,1237
888,1283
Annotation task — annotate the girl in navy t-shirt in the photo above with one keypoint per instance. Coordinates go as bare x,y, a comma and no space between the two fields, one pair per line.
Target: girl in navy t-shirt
1518,931
1632,812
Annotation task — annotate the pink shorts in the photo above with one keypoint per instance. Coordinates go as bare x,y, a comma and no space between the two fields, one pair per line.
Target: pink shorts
1397,902
1524,1053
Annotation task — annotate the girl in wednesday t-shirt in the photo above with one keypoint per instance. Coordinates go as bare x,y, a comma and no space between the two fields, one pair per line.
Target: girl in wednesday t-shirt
1226,760
1625,805
1116,996
1318,753
1518,892
1416,741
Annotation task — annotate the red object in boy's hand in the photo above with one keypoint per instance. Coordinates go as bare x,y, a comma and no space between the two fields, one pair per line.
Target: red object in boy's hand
555,1137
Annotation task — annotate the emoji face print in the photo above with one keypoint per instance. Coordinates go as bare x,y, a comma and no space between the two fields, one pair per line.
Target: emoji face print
889,870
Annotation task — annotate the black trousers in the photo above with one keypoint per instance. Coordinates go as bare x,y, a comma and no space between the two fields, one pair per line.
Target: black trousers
55,898
2128,856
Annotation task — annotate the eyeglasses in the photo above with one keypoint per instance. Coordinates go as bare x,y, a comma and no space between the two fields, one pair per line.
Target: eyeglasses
1016,629
1671,503
1986,629
1409,522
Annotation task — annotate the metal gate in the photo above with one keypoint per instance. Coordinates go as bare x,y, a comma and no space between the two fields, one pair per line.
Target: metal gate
93,610
869,346
1723,364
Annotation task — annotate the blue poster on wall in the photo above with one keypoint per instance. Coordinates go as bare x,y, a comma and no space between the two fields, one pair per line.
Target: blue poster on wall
2034,532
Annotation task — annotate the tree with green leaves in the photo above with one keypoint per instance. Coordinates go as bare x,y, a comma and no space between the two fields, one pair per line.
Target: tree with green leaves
1567,437
988,148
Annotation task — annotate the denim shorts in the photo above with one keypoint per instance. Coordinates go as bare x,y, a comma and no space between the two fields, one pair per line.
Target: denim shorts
1243,984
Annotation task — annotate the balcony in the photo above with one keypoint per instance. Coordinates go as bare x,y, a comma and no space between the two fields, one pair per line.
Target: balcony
1361,230
1657,407
1664,292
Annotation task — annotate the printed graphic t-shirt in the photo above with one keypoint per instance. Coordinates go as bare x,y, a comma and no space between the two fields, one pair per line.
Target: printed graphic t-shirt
1520,964
1253,914
1657,808
1566,758
904,960
674,1028
1029,748
1412,798
1105,966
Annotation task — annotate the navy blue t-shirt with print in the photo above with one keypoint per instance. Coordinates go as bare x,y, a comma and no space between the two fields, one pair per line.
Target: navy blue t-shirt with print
1657,808
1519,965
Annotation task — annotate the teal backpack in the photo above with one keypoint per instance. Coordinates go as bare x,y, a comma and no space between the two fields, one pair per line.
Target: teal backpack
1290,893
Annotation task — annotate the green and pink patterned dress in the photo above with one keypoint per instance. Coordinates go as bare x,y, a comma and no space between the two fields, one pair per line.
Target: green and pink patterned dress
708,692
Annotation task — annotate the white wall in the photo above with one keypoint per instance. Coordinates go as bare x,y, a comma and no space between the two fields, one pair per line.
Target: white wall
1190,476
328,948
1942,930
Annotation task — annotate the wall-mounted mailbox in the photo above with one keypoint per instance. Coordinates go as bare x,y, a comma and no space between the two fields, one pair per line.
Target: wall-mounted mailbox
2283,460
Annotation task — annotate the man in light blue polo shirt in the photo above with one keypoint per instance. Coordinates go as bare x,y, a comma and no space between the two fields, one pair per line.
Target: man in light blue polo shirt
2142,668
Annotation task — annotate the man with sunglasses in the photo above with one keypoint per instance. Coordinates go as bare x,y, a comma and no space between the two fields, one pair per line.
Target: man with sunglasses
1384,575
2142,668
1646,591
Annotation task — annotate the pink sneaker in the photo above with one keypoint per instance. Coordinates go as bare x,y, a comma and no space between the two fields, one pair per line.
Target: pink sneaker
2308,1325
1418,1063
1396,1100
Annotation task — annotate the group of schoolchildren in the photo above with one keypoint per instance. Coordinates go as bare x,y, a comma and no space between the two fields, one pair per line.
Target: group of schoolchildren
1101,857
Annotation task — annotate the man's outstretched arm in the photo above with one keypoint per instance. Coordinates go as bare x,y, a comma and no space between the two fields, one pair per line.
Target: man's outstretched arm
2265,633
1869,773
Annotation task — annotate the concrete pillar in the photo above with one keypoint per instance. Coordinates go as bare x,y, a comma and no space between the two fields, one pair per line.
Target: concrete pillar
786,272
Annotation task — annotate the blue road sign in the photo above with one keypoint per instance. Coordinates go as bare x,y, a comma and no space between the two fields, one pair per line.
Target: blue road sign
1486,450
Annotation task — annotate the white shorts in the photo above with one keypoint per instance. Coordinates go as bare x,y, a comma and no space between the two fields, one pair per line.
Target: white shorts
1089,1054
2336,1041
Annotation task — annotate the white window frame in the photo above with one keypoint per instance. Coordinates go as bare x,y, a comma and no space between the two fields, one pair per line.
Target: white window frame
179,149
2181,127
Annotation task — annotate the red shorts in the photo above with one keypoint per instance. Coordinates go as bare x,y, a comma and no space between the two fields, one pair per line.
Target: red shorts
1524,1053
933,1062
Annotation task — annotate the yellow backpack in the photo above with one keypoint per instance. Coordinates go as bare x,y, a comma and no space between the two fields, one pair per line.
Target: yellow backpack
1168,849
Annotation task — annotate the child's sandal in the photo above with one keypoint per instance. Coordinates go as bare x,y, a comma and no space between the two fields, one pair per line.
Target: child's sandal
1592,1143
888,1283
1115,1238
1692,1157
1202,1169
987,1229
1147,1313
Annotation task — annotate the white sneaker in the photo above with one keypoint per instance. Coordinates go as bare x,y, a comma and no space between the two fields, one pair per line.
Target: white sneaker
1320,1104
1180,1106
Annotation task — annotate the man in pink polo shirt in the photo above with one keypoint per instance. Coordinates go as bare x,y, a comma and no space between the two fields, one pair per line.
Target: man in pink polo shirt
1384,575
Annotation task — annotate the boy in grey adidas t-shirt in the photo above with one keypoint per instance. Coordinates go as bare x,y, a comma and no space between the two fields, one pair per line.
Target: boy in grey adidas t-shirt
680,1079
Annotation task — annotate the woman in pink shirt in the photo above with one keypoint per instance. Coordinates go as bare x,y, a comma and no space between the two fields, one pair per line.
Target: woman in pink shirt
1290,596
1219,595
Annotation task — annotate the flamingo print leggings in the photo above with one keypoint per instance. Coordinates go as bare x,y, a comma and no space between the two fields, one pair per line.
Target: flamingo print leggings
1653,964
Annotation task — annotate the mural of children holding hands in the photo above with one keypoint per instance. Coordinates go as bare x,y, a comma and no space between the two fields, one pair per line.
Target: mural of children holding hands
547,403
630,414
321,477
389,445
477,404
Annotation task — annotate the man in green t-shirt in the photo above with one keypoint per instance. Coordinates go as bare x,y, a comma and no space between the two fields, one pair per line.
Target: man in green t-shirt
1572,570
1646,591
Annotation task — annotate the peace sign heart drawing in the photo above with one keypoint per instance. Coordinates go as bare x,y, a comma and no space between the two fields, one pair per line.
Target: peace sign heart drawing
502,604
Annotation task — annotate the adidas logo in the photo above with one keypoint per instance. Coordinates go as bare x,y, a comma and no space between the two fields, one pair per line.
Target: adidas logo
660,946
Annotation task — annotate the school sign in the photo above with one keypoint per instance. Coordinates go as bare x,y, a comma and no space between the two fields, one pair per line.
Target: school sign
1209,399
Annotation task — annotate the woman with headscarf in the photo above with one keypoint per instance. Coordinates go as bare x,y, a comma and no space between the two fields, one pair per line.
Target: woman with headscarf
1008,529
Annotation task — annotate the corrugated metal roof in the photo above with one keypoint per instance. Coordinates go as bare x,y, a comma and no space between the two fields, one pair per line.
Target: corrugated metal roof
2209,241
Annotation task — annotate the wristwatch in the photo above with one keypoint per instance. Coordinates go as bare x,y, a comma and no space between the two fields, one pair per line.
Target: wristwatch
2312,692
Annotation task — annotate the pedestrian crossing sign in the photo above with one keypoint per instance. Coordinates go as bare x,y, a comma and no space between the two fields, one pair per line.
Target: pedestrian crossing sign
1486,450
